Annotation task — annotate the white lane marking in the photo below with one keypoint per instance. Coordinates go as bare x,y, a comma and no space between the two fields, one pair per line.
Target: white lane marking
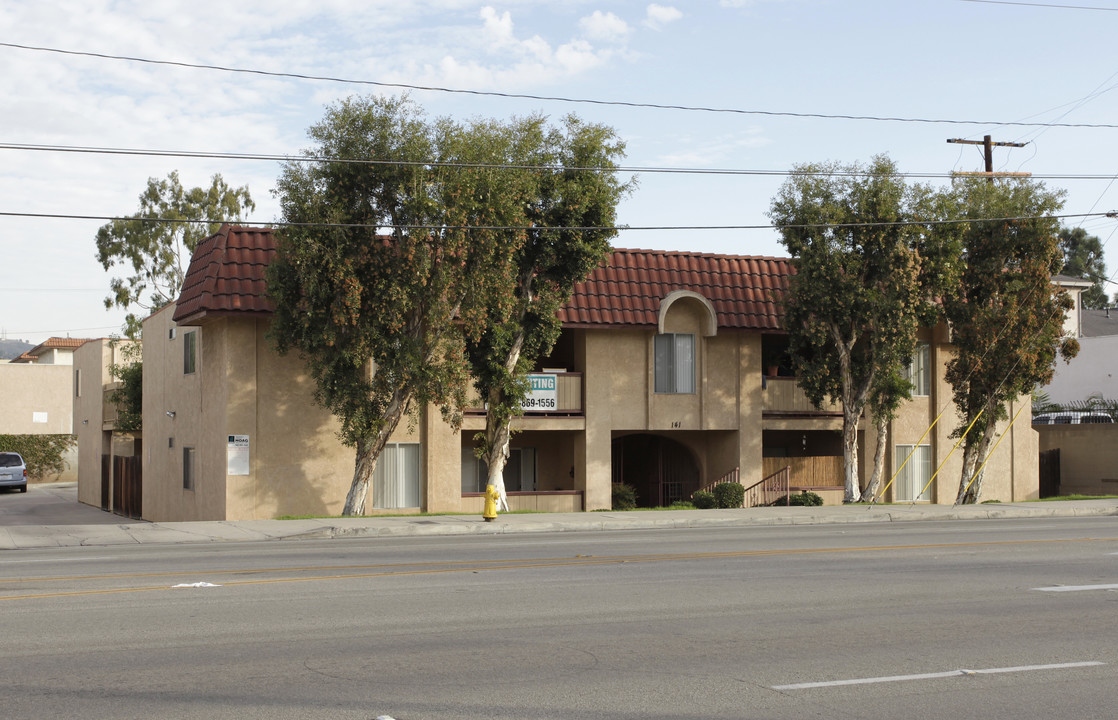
63,559
1077,588
932,676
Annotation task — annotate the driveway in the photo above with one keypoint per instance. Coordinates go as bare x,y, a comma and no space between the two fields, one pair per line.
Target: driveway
51,504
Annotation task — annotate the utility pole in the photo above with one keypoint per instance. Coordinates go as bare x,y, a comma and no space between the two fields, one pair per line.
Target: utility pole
988,145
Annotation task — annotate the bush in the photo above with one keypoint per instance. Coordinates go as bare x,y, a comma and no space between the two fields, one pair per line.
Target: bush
624,497
729,495
703,500
42,453
806,498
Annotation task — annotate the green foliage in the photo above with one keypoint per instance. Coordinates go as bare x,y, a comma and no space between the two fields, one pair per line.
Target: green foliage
1083,258
129,397
804,499
866,278
43,454
1006,316
559,217
703,499
624,497
729,495
158,253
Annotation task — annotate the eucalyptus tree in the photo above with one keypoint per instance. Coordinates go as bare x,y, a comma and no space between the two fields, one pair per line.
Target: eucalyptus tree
156,243
855,301
560,210
1006,316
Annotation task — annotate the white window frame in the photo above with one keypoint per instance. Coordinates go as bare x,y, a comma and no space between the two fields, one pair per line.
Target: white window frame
915,474
190,352
398,477
919,370
674,363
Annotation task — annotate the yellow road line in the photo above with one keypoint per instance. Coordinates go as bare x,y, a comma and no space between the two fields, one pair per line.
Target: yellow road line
461,566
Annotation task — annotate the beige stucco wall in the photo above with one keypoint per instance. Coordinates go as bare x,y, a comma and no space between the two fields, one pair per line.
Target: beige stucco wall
30,388
1088,456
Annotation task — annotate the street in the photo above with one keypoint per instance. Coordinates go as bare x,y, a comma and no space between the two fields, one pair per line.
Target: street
990,619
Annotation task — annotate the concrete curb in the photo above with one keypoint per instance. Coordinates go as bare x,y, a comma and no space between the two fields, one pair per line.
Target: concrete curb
143,533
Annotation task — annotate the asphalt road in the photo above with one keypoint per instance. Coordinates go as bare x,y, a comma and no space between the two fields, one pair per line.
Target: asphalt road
921,620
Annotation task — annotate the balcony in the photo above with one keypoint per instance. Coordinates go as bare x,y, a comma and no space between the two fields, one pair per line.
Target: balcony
782,395
108,407
568,397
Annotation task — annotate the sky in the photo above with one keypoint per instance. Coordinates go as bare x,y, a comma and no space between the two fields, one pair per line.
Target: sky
783,82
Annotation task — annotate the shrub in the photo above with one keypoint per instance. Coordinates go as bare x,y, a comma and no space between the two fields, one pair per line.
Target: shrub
703,499
681,505
42,453
624,496
729,495
806,498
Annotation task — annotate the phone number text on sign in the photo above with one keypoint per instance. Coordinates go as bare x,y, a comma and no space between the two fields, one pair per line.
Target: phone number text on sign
543,394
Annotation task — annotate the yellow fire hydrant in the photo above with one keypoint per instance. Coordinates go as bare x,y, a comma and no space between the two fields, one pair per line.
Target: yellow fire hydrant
491,496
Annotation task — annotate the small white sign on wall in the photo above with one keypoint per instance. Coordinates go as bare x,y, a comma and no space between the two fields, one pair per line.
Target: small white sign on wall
237,455
38,417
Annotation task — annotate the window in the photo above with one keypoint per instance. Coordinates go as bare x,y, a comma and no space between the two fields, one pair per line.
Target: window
675,363
397,476
914,475
78,382
188,468
189,352
919,371
520,471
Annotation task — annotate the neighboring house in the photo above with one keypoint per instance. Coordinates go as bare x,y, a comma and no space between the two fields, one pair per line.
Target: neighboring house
1093,370
36,388
668,376
100,480
54,351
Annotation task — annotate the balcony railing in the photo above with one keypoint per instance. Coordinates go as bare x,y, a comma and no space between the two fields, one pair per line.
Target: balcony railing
568,396
783,395
108,407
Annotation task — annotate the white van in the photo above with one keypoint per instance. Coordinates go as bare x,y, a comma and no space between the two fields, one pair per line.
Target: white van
1072,417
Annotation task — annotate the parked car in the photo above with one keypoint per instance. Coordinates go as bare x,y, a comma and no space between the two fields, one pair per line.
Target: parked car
1072,417
13,471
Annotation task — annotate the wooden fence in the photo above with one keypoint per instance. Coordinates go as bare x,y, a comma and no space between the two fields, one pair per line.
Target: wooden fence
822,471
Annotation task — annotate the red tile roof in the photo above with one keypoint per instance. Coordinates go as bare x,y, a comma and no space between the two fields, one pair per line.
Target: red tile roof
52,343
744,291
226,277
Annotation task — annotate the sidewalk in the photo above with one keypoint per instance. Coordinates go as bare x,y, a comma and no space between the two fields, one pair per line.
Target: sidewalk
131,532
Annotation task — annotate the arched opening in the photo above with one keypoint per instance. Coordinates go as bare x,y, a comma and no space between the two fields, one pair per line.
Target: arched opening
660,469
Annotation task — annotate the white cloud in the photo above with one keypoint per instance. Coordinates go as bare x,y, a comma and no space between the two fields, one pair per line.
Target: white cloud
498,27
660,15
604,26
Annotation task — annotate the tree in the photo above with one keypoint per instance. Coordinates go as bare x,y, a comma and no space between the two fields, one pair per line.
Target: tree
129,396
379,318
569,207
1006,316
158,253
853,306
1083,258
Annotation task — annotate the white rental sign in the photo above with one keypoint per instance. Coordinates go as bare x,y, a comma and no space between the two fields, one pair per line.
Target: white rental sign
543,393
236,455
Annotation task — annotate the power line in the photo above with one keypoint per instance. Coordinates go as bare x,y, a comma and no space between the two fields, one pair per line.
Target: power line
616,228
547,98
1045,5
209,155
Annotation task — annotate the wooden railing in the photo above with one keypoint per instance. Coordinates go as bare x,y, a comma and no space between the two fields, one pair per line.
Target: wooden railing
732,476
782,394
770,490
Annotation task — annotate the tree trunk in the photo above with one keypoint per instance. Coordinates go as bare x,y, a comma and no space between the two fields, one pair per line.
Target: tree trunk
368,451
497,440
852,492
973,456
879,456
498,428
